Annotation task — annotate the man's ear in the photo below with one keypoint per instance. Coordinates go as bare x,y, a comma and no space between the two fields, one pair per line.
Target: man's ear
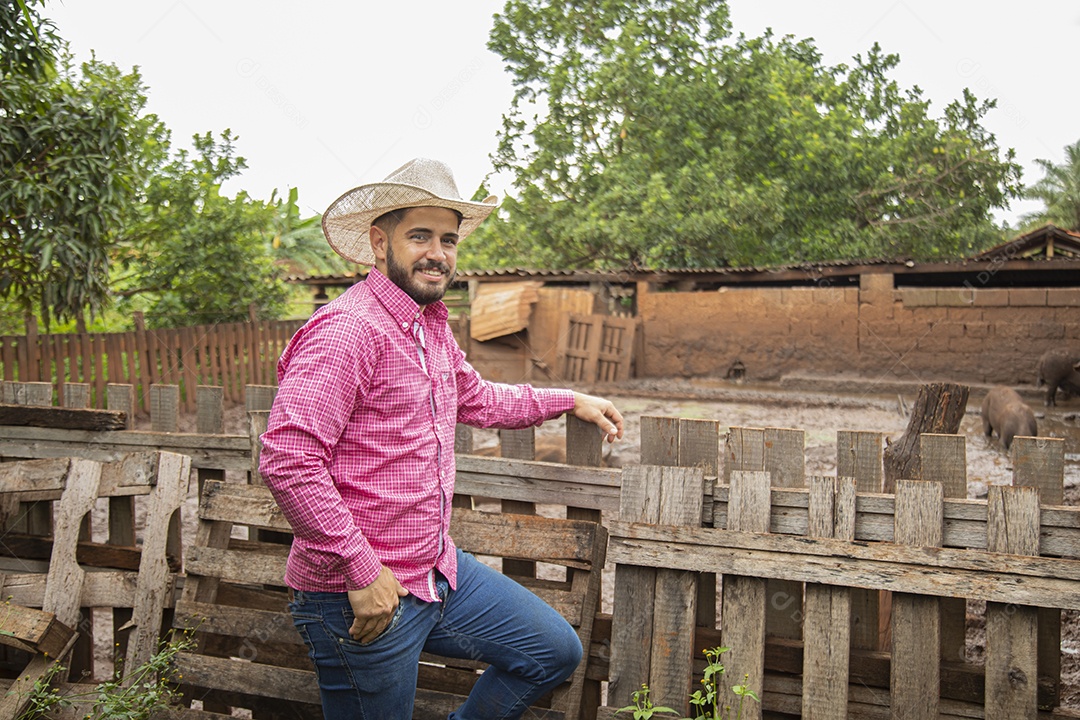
379,241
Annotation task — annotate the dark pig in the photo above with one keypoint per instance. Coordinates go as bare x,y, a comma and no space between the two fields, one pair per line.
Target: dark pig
1058,368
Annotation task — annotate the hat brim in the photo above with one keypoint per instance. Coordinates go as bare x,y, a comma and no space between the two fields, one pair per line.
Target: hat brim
348,219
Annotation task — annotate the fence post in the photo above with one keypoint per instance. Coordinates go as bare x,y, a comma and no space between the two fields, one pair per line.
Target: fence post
519,445
827,624
859,456
944,459
1040,463
781,453
652,627
1012,526
743,609
36,516
33,355
915,680
164,408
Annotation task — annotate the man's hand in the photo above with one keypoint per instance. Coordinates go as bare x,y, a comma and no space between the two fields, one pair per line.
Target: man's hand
601,413
373,606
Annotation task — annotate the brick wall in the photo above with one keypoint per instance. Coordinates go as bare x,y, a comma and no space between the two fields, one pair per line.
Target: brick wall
971,334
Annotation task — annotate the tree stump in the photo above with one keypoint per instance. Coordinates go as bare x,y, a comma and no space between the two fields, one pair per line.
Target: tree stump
939,408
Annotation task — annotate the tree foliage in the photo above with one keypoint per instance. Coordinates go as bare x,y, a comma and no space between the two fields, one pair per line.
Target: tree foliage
194,255
1059,189
75,148
642,133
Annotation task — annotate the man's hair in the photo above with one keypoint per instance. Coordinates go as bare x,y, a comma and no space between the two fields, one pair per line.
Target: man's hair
388,221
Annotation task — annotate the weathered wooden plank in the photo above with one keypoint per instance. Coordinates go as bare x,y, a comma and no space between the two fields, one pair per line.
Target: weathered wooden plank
635,586
700,447
974,574
209,410
1012,630
675,595
262,626
916,622
62,418
251,505
660,440
965,520
235,566
121,397
64,585
100,588
34,631
584,487
743,609
944,460
174,472
827,625
781,453
26,393
1040,463
91,554
75,395
563,542
226,452
164,408
858,456
243,677
520,445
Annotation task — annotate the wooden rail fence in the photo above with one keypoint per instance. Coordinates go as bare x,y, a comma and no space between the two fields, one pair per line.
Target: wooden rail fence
228,355
838,600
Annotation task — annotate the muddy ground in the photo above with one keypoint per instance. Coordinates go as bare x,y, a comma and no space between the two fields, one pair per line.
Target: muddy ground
820,409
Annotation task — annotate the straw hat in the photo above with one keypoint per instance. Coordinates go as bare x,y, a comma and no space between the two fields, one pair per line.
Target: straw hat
417,183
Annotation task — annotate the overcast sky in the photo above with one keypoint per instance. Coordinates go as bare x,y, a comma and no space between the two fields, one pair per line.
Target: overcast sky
329,95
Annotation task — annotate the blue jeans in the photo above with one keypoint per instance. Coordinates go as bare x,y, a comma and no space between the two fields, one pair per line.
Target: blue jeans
530,647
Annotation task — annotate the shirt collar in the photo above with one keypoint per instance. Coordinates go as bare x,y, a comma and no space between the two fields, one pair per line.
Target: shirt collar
402,308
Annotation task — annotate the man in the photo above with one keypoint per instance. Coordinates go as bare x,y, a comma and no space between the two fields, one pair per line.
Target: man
359,453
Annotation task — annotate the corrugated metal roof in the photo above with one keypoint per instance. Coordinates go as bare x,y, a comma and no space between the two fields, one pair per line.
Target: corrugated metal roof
1015,249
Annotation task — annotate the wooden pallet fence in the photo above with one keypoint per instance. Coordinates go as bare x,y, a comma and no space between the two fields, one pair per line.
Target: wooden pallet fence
920,544
67,574
208,448
251,656
229,355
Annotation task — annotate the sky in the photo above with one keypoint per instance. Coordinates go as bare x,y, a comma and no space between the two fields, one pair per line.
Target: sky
325,96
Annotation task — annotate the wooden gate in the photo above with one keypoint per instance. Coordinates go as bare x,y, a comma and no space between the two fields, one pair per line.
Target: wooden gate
595,348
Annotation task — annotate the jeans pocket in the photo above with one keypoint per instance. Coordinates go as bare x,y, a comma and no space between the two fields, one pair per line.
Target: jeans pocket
348,617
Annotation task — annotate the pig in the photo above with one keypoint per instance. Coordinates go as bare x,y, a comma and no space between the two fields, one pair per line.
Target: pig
1005,411
1058,368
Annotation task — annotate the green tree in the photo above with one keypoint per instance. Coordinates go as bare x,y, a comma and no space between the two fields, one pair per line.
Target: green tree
641,133
1059,189
75,149
299,246
194,255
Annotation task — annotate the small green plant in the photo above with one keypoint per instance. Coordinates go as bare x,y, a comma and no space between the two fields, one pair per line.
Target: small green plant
140,695
643,707
707,701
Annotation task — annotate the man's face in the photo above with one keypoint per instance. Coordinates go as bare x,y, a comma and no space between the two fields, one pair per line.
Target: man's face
421,255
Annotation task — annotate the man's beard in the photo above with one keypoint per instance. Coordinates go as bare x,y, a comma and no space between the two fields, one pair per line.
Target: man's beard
422,294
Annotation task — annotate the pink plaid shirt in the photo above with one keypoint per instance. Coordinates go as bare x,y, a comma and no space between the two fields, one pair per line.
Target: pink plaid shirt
359,452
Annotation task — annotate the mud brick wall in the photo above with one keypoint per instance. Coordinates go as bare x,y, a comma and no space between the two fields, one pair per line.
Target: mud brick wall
771,331
969,334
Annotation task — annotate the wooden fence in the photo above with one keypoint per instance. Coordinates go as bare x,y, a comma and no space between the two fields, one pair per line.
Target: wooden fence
228,355
837,600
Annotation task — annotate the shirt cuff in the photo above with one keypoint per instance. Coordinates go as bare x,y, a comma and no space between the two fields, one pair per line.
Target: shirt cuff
361,571
555,402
